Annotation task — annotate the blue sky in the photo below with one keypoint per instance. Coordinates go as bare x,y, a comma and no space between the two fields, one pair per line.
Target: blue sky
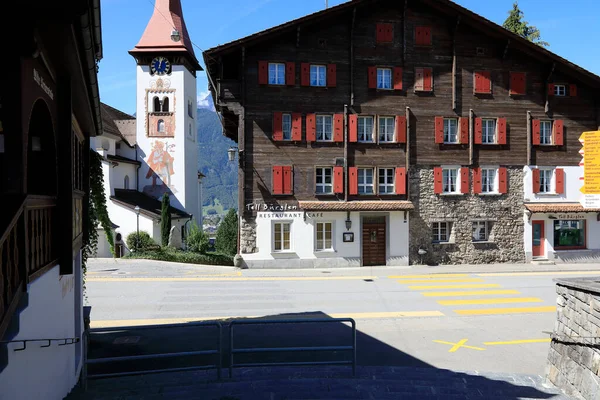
572,32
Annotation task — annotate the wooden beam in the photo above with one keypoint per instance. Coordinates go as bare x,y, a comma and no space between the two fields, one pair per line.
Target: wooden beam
352,57
346,152
547,109
404,32
454,66
529,138
471,135
506,49
298,36
407,114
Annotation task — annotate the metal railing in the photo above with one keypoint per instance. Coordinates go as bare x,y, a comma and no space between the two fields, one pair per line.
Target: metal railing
23,342
233,350
216,352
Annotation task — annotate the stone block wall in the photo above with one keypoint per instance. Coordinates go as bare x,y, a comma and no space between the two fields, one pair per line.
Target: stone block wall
248,236
574,355
505,213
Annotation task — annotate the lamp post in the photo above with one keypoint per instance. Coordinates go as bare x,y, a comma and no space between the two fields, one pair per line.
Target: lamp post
231,153
231,157
200,211
137,237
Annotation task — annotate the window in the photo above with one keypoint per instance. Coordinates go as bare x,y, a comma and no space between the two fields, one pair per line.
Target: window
545,132
156,102
126,182
324,236
441,232
488,180
165,104
386,180
365,129
488,130
281,236
161,125
450,180
190,133
276,74
569,234
324,181
190,109
560,90
324,128
384,78
546,180
365,181
386,129
480,231
318,75
286,124
450,130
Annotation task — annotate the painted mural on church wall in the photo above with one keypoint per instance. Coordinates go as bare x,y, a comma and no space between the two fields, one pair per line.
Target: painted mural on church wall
161,169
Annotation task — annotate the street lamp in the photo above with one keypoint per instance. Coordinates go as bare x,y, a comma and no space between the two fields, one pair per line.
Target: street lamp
137,237
200,213
231,153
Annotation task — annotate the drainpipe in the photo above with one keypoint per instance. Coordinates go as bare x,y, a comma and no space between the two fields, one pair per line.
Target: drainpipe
346,152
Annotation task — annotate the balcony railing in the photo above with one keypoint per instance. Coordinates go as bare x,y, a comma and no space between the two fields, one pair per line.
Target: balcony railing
229,90
27,250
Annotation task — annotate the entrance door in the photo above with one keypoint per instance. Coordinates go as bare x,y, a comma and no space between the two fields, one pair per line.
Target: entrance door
373,241
538,238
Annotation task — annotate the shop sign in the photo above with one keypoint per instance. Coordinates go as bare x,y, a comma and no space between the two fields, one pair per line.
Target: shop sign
40,81
270,207
308,215
568,217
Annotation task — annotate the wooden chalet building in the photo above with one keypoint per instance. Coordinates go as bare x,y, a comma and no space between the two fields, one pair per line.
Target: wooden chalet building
381,132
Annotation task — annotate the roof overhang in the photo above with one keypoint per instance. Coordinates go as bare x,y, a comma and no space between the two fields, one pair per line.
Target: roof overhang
541,208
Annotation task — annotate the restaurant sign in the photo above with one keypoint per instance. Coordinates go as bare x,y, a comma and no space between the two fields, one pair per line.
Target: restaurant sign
568,217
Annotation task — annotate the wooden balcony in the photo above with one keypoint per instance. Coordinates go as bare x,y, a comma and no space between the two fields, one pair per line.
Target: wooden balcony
229,91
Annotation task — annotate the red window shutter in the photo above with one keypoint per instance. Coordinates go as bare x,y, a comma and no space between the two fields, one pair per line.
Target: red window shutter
464,130
372,77
551,89
502,180
437,180
311,127
423,36
290,73
427,79
353,126
305,74
419,76
558,132
297,127
439,130
288,186
517,83
573,90
338,127
277,126
483,81
400,129
464,180
501,127
353,180
478,131
397,78
536,131
476,180
384,33
263,73
338,179
389,33
559,173
277,180
331,75
536,180
400,180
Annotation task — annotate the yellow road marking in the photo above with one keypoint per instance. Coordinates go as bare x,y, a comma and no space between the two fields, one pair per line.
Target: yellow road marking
459,280
475,286
198,275
456,346
430,276
264,278
520,310
547,340
469,293
490,301
550,273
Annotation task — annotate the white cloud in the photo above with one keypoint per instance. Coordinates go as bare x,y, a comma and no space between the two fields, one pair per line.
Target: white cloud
203,100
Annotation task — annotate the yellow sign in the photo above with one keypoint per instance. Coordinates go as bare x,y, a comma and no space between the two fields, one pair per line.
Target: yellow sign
591,163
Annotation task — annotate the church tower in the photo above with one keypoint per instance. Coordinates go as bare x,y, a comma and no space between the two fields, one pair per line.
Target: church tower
166,108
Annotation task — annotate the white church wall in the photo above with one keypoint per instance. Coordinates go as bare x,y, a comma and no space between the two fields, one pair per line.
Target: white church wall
118,174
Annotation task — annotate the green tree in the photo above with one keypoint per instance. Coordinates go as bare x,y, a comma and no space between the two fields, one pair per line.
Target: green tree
226,240
197,239
165,220
515,23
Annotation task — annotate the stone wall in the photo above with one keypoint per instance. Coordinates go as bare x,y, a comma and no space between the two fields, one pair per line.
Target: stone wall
248,236
505,213
574,355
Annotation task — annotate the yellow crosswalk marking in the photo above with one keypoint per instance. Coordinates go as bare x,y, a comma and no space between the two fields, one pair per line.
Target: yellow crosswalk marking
466,286
469,293
490,301
495,311
458,280
430,276
549,273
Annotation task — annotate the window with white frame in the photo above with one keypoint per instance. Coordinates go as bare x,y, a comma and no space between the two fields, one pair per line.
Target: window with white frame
480,231
386,180
365,181
384,78
488,131
545,132
324,128
488,180
324,236
286,125
450,130
276,74
282,236
450,180
126,182
386,129
318,75
365,129
441,232
546,176
560,90
161,125
324,180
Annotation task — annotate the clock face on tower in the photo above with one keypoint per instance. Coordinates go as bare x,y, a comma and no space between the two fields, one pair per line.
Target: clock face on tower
160,66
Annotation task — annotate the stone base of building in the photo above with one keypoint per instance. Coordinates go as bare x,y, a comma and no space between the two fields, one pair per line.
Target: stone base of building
577,256
318,263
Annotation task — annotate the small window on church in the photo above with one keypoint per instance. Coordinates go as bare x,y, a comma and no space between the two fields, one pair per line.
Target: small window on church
165,104
190,109
156,104
161,125
126,182
190,130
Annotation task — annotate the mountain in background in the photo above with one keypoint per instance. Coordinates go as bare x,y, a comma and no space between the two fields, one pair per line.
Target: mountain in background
207,103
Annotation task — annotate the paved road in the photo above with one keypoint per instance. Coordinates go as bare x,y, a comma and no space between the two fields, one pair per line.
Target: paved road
486,321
